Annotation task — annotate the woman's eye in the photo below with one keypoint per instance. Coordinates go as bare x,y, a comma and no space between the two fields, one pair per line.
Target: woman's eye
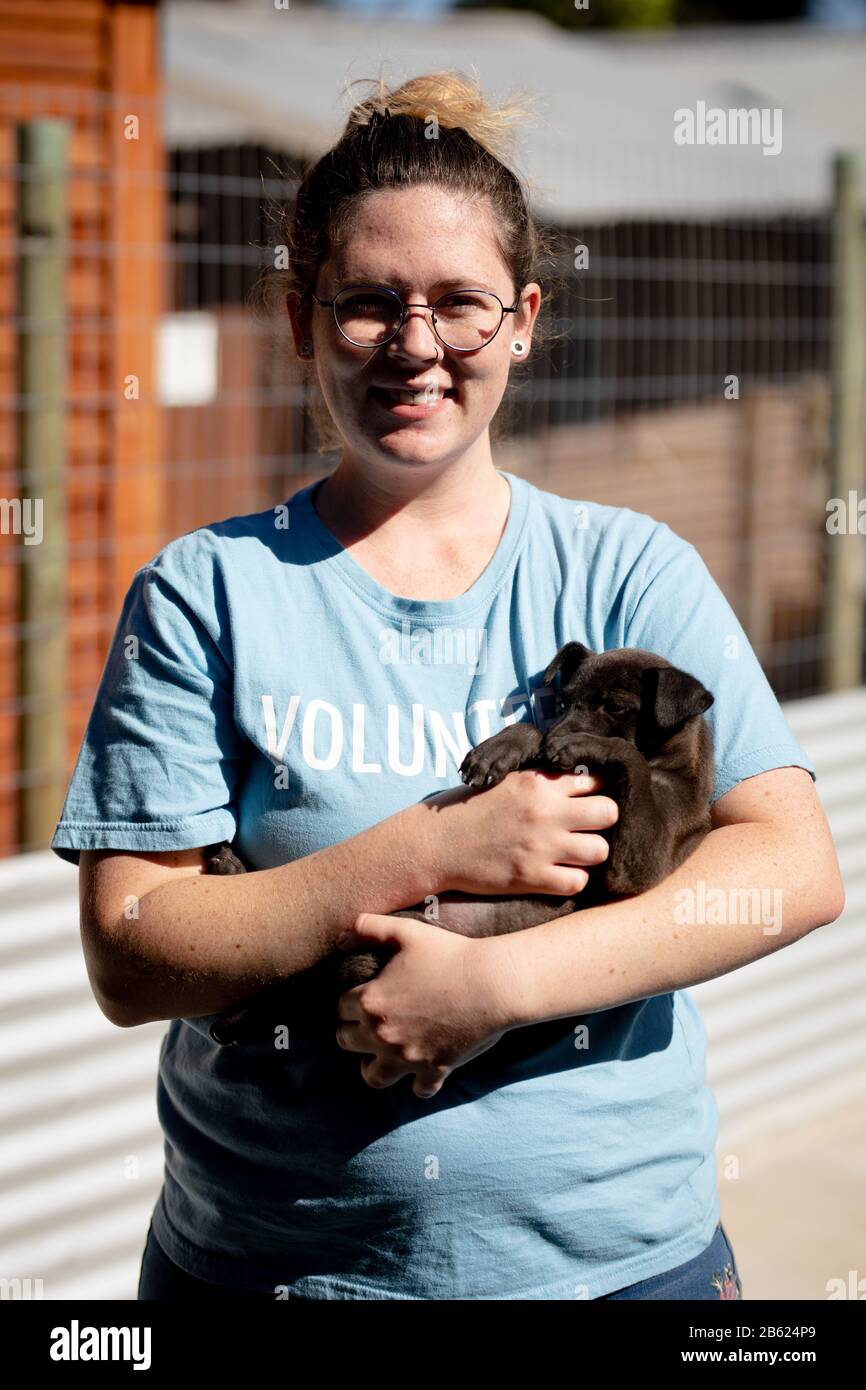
365,304
462,304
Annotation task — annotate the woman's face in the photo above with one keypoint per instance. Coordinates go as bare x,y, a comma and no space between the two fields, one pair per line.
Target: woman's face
423,243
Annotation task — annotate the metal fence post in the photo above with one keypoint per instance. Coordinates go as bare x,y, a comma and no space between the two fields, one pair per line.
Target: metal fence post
42,156
846,551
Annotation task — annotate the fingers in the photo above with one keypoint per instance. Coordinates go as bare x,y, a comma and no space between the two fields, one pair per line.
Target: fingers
584,851
577,783
569,875
370,928
589,808
427,1084
355,1037
359,1037
592,813
562,881
379,1071
428,1081
349,1006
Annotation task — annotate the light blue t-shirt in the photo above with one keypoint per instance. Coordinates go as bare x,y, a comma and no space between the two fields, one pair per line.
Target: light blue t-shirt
261,685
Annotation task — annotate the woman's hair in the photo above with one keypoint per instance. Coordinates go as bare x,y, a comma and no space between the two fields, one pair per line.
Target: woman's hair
436,130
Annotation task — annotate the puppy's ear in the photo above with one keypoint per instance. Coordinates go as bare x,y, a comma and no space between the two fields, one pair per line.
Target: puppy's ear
668,697
566,661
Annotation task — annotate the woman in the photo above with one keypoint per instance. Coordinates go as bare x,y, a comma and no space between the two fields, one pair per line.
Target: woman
305,681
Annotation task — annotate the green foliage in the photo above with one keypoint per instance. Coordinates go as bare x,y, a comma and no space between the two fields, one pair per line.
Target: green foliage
631,14
603,14
647,14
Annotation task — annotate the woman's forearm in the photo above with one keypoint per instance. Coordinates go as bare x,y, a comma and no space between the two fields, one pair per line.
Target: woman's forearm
195,944
747,890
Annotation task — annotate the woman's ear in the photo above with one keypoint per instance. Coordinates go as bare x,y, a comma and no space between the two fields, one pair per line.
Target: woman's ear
301,321
524,320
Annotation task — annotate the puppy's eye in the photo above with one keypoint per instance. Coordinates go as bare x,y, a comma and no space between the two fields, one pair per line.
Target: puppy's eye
616,709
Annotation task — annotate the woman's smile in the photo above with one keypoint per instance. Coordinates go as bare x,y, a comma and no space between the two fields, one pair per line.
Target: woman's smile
413,404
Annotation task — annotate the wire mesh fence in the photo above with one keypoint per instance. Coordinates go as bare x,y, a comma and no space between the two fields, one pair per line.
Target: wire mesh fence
698,371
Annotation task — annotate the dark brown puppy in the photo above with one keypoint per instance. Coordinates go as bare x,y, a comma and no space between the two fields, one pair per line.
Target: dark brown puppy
627,714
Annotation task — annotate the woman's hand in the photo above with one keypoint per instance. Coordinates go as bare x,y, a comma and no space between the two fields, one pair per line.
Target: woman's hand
535,832
438,1002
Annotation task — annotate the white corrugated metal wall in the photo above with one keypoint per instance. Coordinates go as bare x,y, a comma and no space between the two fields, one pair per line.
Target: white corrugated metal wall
788,1033
81,1150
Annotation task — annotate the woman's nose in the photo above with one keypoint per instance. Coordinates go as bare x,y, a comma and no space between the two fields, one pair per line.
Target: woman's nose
416,337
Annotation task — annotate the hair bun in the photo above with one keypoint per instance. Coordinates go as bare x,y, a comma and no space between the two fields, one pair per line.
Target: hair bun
452,100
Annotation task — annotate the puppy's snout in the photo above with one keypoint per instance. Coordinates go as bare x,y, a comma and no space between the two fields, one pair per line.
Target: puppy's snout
580,721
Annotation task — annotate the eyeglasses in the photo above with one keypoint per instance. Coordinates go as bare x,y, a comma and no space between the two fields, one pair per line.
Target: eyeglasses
371,315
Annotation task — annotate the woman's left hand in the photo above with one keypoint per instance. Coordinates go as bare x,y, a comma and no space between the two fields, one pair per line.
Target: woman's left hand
438,1002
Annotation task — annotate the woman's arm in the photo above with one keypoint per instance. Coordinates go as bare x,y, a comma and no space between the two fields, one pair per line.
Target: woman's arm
439,1002
769,860
162,939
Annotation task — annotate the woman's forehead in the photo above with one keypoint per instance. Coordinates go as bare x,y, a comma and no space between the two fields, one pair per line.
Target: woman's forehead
406,252
438,235
405,266
367,274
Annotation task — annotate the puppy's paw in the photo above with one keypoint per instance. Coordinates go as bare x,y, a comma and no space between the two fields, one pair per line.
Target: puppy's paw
490,762
227,1029
357,967
566,750
222,859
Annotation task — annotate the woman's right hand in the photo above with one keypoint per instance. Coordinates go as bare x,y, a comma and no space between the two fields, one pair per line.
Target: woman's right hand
535,832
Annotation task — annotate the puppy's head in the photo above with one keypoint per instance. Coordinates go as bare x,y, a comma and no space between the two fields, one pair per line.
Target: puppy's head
627,693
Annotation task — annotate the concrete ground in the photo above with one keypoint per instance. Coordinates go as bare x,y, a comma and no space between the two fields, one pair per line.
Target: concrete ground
793,1201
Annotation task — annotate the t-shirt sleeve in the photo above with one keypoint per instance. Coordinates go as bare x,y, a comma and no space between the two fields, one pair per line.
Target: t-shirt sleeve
161,756
678,611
